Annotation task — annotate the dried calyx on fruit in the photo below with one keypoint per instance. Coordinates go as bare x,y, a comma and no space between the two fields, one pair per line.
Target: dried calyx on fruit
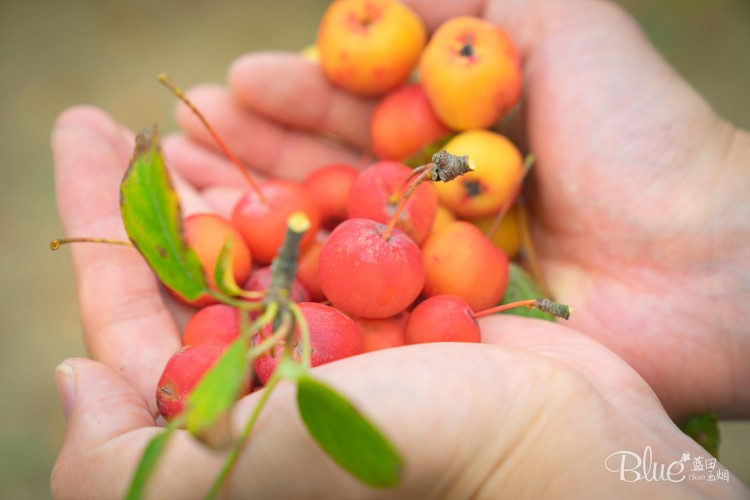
445,167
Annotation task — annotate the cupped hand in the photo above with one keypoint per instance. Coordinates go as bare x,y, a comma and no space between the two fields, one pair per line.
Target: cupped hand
640,204
639,194
533,412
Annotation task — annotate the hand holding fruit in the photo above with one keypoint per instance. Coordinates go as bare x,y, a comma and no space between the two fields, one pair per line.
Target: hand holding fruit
623,219
584,212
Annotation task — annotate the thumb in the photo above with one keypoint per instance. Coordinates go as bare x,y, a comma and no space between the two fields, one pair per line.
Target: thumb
99,406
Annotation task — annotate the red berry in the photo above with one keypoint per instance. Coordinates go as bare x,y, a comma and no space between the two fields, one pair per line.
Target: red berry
333,335
206,234
365,275
460,260
383,333
215,322
263,224
182,373
443,318
395,138
307,272
261,279
329,188
372,198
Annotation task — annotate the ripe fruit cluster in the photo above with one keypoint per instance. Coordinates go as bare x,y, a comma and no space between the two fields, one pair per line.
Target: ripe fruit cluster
394,255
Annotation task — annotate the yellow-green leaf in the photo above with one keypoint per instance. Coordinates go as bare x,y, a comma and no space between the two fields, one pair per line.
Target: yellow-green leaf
521,286
223,272
151,214
148,462
349,438
218,389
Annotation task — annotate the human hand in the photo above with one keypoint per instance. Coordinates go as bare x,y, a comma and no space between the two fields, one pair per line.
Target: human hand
639,192
120,328
534,411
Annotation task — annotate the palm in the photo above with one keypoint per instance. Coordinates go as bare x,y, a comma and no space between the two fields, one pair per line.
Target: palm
625,218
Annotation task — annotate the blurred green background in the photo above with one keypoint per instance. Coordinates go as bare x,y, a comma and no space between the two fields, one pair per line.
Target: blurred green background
54,54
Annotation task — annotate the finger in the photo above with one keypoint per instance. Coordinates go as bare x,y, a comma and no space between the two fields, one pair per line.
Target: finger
594,84
223,199
436,13
99,407
124,319
604,369
262,144
199,165
109,426
292,90
456,393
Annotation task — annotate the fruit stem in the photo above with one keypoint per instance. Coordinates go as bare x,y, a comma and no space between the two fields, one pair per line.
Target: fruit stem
284,265
283,327
402,203
167,82
267,317
545,305
57,243
415,172
234,453
444,168
527,164
304,333
252,295
528,248
242,305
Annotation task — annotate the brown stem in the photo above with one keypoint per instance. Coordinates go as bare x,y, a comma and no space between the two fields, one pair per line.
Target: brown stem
444,168
528,162
402,203
529,250
415,172
545,305
57,243
164,79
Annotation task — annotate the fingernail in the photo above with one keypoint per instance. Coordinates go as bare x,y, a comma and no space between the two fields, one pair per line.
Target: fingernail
65,380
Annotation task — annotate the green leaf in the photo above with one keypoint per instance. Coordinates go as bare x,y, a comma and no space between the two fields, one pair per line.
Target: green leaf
347,436
148,463
218,389
151,214
704,429
223,272
521,286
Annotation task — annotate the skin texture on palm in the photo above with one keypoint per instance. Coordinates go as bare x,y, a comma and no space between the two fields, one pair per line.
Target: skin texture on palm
634,226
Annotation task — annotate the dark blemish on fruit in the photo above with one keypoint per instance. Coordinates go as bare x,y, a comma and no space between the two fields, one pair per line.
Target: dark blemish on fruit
473,188
468,49
162,251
